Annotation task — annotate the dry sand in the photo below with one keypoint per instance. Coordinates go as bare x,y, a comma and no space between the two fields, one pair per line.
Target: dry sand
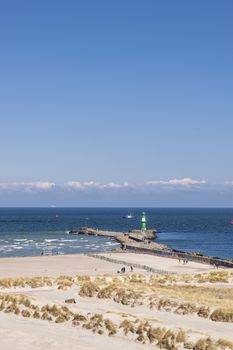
82,264
18,333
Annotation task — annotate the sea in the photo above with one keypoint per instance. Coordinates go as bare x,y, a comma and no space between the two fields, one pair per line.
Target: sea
30,231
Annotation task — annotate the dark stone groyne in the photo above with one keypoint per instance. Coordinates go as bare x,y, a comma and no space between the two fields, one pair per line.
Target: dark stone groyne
134,238
174,254
140,241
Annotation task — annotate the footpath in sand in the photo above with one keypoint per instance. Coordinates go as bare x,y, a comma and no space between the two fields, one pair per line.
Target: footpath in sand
189,307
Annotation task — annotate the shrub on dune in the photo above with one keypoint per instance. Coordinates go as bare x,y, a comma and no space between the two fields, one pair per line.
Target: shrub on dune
203,311
109,325
82,279
205,344
79,317
106,292
168,341
36,314
25,313
45,316
127,297
95,323
155,334
25,301
186,308
225,344
181,337
166,304
60,319
45,308
2,305
89,289
127,326
222,315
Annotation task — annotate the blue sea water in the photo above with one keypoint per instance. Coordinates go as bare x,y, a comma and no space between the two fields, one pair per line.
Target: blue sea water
27,231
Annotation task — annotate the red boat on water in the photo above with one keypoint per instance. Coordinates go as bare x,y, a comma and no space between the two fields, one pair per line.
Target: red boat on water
231,222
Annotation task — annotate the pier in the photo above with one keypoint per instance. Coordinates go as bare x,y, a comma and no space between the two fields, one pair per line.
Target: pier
141,241
134,238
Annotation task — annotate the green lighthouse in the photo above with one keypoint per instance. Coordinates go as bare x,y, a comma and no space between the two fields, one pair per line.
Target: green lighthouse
143,221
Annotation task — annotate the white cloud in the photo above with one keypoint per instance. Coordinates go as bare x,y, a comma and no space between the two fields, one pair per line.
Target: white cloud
77,185
116,185
27,186
73,184
177,182
41,185
88,185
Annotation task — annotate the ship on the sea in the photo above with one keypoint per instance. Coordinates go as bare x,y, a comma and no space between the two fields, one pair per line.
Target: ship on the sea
129,216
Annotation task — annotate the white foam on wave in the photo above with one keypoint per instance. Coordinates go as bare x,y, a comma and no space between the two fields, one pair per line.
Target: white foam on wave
69,240
51,240
111,243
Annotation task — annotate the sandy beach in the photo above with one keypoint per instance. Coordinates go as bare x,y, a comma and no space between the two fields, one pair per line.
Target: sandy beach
137,309
82,264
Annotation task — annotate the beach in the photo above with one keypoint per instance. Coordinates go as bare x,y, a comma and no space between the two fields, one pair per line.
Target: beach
125,309
83,264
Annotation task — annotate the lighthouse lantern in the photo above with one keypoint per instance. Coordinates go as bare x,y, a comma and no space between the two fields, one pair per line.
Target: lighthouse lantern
143,221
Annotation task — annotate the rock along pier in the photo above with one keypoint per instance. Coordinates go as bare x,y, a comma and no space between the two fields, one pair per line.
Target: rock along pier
142,241
135,239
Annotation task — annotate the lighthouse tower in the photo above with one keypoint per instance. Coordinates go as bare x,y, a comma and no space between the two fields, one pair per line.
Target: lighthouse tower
143,221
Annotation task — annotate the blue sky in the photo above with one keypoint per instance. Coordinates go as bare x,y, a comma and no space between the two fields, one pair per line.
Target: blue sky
119,103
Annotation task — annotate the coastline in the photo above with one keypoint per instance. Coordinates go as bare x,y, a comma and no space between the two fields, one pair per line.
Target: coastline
143,241
139,242
74,264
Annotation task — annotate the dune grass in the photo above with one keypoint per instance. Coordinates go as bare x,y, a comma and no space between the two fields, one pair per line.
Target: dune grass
138,330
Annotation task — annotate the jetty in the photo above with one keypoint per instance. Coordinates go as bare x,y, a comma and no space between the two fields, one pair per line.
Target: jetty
134,238
143,241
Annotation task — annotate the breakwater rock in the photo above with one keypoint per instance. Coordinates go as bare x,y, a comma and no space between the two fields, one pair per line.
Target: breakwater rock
134,238
140,241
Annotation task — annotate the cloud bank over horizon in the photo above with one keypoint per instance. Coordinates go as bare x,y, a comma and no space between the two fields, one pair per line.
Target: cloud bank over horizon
174,192
83,185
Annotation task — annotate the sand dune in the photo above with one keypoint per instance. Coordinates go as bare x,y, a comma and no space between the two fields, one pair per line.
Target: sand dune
134,298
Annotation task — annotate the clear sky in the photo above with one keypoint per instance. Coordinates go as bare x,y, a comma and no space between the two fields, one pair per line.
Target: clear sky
98,98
